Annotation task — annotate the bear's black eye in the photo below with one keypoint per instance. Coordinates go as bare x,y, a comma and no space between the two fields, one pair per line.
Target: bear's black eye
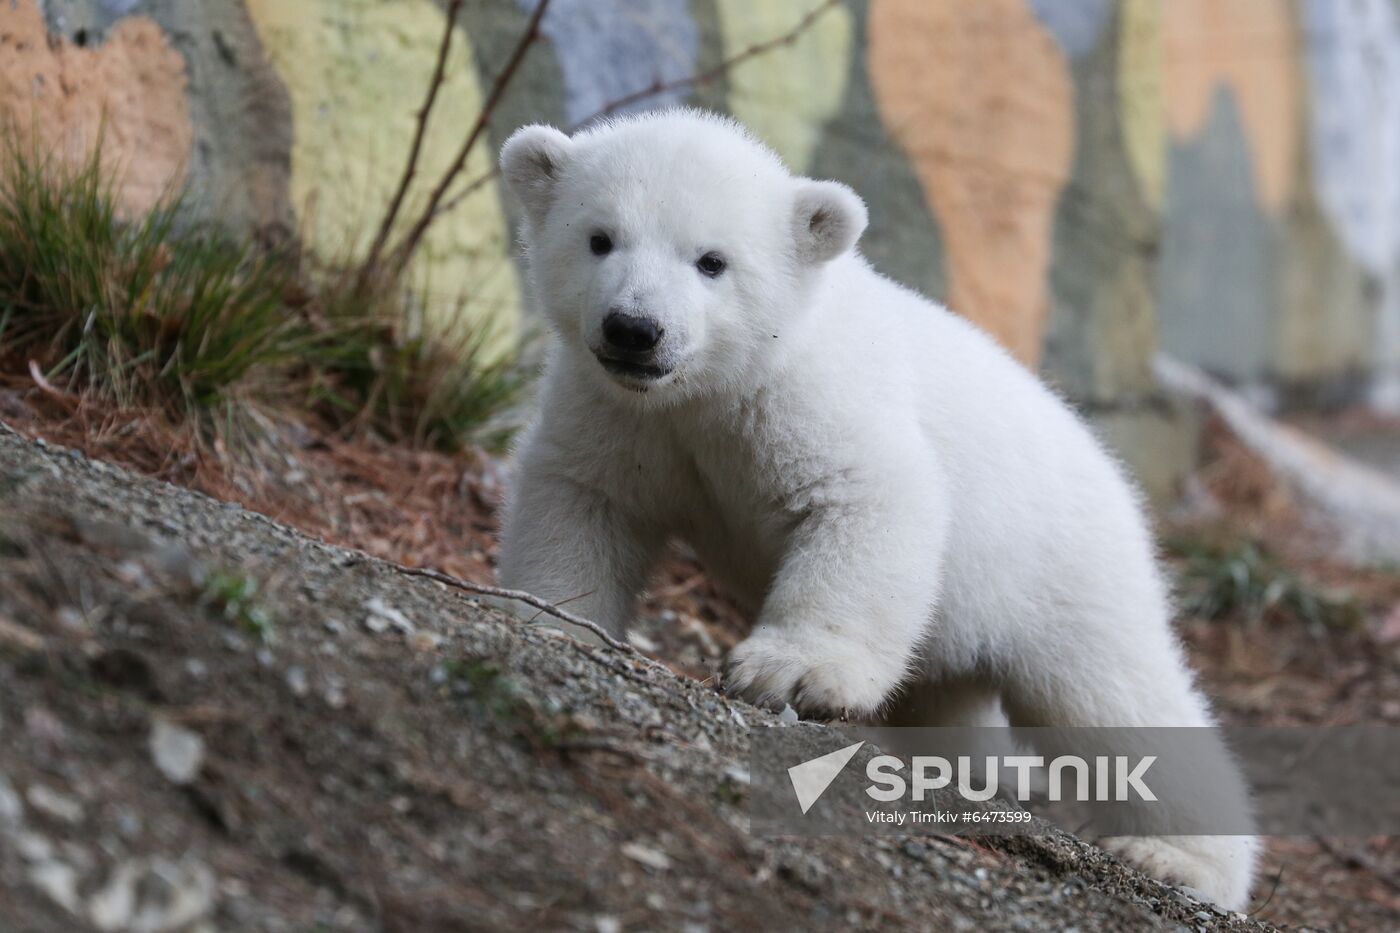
712,264
600,243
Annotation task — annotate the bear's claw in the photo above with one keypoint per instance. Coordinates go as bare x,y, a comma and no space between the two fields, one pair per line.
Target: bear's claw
825,680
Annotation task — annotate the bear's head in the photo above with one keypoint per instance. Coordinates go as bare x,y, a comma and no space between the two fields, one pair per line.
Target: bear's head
670,250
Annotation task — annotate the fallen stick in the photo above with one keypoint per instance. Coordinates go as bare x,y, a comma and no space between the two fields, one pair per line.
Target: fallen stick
529,599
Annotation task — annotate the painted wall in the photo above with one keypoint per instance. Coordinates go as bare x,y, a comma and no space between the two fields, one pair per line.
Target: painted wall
1088,179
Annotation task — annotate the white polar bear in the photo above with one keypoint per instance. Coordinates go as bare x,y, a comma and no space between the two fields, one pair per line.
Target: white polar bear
893,495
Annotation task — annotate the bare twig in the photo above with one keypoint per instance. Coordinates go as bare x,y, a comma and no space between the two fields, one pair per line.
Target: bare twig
705,77
1259,911
663,87
528,599
565,602
472,187
409,244
410,169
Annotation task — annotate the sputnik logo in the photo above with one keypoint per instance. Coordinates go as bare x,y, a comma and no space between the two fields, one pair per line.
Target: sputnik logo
811,778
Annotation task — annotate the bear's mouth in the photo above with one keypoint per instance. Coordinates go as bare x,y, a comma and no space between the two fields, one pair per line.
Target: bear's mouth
628,369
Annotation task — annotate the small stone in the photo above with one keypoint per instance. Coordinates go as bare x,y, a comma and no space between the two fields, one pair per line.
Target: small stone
265,657
335,695
583,722
176,751
130,573
112,906
606,924
738,718
59,882
334,626
425,641
736,774
297,681
52,803
33,847
175,895
71,620
383,617
644,855
196,668
788,716
641,642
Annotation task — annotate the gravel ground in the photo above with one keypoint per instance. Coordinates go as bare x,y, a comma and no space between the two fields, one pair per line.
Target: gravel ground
209,721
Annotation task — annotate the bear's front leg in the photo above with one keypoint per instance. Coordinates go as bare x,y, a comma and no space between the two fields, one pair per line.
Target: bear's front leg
573,546
853,596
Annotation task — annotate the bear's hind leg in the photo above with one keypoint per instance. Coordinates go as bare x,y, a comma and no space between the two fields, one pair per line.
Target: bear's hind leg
1141,680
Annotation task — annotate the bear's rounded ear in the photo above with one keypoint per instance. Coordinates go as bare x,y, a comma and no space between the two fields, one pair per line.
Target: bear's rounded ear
828,218
531,161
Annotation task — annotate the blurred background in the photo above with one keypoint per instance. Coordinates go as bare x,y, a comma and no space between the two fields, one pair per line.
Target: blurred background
1092,181
234,254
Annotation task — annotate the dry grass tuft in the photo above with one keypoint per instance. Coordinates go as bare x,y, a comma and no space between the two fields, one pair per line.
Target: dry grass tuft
221,340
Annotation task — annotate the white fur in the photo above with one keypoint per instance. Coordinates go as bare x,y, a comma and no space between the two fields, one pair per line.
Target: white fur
890,492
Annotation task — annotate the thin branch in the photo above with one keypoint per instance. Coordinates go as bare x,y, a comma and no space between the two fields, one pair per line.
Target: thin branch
475,185
406,248
565,602
1258,912
410,170
705,77
528,599
663,87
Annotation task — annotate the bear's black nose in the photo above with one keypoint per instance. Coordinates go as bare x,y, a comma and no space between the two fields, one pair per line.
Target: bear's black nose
631,334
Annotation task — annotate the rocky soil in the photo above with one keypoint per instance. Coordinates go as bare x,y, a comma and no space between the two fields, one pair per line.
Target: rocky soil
209,721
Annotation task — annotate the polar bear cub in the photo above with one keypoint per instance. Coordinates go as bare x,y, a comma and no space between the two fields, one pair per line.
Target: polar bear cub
894,496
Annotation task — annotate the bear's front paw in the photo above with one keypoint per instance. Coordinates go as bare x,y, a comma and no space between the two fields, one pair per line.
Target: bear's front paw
835,678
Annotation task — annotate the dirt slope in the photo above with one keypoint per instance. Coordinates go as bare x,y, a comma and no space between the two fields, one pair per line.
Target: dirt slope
350,748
